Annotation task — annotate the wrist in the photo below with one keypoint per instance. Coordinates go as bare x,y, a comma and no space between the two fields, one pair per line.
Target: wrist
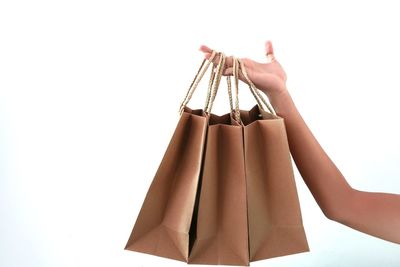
282,103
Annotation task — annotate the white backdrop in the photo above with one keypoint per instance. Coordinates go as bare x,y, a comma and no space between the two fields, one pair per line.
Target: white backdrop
89,98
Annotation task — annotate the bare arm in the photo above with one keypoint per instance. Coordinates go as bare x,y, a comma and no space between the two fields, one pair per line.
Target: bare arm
376,214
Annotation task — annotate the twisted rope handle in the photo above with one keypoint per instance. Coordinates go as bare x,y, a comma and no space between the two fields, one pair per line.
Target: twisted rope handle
215,82
199,75
235,111
228,80
254,90
236,83
238,65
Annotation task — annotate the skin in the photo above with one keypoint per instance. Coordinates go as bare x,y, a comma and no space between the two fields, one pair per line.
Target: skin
373,213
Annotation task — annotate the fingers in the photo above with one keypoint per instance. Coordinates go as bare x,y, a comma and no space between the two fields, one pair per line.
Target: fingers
228,68
205,49
207,53
228,71
269,52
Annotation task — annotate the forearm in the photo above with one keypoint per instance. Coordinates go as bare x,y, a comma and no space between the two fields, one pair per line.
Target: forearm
377,214
326,183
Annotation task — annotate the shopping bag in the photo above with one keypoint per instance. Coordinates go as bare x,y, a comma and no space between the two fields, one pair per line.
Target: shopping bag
274,215
221,233
222,228
163,224
248,208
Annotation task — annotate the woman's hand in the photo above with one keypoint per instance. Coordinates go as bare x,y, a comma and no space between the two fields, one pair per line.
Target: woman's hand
269,77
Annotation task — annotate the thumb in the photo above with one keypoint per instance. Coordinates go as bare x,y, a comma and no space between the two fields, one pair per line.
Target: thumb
269,50
268,47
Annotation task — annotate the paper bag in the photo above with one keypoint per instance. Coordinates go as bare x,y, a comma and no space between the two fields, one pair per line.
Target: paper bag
274,216
163,224
221,233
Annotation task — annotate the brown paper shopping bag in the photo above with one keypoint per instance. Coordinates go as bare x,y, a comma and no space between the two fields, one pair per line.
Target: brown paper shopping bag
248,208
274,216
163,224
222,228
221,233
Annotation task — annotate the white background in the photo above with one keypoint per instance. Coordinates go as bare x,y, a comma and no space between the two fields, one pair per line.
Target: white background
89,98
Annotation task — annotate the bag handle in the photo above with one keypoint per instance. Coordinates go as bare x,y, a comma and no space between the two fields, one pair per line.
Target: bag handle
214,83
235,71
254,90
219,70
228,80
238,65
199,75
